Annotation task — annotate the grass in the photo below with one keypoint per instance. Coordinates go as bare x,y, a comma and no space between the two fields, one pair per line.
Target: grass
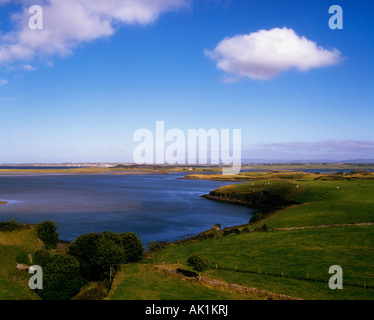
13,282
322,202
295,253
142,282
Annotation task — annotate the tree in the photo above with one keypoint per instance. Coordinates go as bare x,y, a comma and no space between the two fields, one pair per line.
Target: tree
133,247
61,278
99,254
111,253
84,248
199,263
153,245
40,257
47,233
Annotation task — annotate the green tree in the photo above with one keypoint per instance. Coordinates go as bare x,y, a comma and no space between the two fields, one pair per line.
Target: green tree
99,254
153,246
199,263
47,232
23,258
61,278
84,248
110,253
133,247
40,257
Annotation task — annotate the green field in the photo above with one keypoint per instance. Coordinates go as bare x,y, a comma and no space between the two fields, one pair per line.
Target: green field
13,282
141,282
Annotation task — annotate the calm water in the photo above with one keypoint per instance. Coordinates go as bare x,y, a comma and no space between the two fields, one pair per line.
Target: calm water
156,207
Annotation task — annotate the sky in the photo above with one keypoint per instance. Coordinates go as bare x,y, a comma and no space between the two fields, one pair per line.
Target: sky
99,70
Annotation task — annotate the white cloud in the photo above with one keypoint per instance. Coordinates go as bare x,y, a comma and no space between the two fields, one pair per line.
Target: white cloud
264,54
71,22
3,82
28,67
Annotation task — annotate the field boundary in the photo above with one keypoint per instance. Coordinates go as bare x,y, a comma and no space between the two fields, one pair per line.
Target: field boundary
225,286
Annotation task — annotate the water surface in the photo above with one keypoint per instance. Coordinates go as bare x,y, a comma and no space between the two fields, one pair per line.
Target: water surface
156,207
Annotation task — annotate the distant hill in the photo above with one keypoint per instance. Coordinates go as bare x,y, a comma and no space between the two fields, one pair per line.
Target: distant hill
288,161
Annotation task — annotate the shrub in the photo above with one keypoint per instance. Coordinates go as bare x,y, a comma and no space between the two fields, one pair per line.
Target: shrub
11,226
40,257
133,247
23,258
47,233
85,250
110,253
100,255
199,263
227,232
246,230
153,246
61,278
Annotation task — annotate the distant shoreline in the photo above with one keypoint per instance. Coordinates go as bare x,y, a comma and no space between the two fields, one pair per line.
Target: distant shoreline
31,172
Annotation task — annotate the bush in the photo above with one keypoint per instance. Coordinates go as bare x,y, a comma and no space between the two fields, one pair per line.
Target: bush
227,232
23,258
47,233
40,257
61,278
199,263
85,250
246,230
153,246
101,254
133,247
110,253
11,226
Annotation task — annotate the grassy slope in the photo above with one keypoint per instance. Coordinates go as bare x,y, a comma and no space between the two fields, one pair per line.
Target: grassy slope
295,253
141,282
323,202
13,282
351,203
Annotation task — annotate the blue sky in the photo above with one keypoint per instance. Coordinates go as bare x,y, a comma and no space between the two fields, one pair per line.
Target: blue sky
85,104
